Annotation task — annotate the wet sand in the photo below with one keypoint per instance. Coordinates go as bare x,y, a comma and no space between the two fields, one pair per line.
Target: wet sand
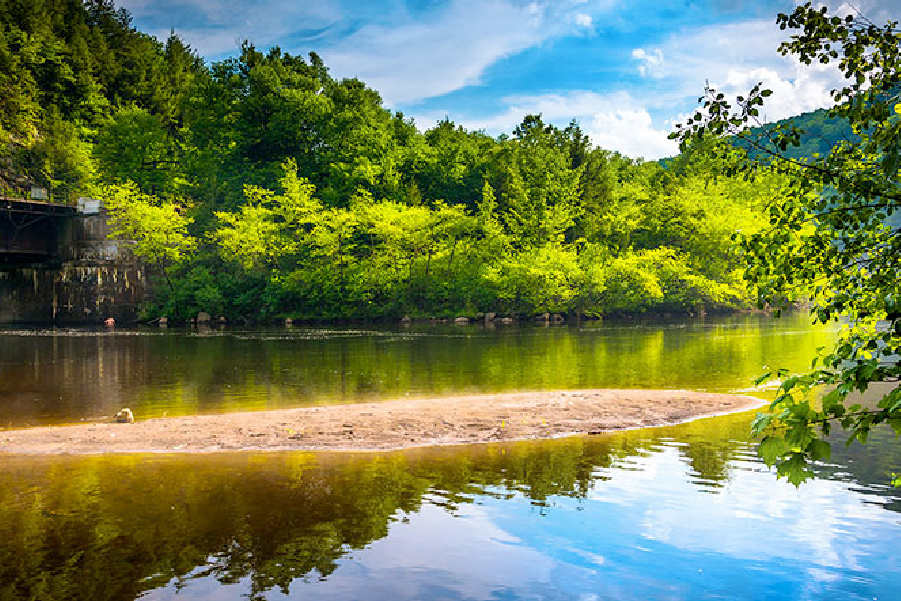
385,425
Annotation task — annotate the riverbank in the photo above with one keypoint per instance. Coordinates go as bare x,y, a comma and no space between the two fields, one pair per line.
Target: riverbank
386,425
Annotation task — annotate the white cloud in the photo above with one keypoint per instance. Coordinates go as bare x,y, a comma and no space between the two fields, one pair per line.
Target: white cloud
631,132
419,58
584,20
650,64
215,27
735,57
793,93
878,11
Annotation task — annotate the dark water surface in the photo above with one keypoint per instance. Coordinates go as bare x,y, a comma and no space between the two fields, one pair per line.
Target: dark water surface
683,513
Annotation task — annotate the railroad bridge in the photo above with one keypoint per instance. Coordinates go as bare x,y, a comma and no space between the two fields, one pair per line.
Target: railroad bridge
59,267
30,231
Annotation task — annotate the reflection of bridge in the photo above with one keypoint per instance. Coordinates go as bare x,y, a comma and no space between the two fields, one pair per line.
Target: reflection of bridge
29,231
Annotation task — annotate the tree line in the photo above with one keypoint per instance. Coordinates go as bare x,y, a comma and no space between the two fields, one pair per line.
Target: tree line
261,186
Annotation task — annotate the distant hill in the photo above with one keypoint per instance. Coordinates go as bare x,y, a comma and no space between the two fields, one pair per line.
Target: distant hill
821,133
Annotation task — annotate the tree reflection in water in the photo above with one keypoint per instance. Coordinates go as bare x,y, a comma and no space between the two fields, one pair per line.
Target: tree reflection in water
112,527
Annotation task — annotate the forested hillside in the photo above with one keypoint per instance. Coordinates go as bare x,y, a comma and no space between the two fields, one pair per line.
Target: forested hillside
65,69
817,134
261,186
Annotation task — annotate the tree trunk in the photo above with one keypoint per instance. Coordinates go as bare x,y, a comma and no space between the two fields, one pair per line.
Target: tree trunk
450,263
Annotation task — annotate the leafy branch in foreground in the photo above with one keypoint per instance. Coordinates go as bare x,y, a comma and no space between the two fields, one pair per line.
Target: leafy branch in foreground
834,233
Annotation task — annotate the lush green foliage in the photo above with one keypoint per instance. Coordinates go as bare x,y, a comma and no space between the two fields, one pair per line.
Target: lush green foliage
262,186
833,235
65,66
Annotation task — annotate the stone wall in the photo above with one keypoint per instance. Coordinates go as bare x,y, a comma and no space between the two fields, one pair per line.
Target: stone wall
91,279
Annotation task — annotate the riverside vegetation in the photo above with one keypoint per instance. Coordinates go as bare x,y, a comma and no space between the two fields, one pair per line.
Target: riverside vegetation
833,237
262,187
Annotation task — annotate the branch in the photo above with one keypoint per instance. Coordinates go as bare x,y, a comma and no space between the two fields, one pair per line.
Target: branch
814,167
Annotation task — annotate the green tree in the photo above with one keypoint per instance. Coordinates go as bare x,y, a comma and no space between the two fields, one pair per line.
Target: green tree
268,232
65,65
258,110
833,235
157,227
455,163
135,146
537,280
539,187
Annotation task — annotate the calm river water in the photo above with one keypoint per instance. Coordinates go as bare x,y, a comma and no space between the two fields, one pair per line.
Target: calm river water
684,512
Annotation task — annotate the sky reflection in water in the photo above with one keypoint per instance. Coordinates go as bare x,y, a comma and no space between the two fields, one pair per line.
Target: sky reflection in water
647,529
678,513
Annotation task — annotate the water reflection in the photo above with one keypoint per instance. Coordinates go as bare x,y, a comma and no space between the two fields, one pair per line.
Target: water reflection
685,512
65,376
680,513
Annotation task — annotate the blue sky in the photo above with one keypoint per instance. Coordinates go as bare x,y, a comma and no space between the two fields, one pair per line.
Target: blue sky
626,70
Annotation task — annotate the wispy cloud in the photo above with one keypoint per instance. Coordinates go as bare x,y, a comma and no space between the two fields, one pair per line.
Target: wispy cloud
216,28
415,58
650,64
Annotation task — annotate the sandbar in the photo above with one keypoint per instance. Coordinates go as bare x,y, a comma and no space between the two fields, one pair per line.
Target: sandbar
385,425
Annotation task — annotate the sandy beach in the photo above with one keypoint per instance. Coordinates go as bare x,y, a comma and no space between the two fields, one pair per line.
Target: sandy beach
385,425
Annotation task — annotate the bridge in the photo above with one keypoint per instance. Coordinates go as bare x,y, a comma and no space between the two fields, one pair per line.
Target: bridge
30,231
58,265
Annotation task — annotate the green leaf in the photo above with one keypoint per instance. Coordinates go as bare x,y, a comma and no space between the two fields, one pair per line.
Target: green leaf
772,449
795,469
763,378
819,450
761,422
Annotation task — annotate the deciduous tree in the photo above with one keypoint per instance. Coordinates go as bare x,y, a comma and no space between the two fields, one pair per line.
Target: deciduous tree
833,237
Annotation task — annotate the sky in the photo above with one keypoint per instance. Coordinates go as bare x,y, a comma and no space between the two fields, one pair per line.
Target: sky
625,70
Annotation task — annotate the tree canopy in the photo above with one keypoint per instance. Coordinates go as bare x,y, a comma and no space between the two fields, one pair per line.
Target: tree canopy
65,67
262,186
833,234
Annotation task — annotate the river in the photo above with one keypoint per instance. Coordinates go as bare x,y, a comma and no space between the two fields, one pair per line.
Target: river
682,512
